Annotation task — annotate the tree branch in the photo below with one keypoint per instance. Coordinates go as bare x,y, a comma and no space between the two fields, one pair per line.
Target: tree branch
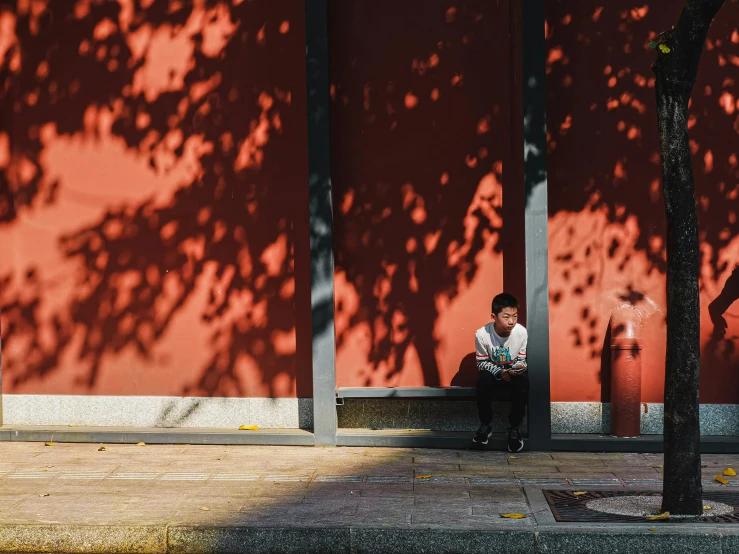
679,61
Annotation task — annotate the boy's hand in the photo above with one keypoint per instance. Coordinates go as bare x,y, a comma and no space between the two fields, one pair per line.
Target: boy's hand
505,375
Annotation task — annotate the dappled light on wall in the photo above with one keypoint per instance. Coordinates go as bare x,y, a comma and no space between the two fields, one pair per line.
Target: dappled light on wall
153,198
607,223
419,144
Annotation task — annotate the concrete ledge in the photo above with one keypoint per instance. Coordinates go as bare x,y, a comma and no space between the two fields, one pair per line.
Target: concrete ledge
345,539
133,435
74,539
258,540
441,541
586,540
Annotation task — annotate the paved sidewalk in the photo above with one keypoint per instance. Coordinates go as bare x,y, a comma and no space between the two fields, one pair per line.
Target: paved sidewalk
153,498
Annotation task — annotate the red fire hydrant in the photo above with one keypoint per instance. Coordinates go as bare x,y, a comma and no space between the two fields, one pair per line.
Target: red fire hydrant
626,346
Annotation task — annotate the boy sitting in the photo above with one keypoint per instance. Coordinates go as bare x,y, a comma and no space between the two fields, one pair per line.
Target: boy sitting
500,348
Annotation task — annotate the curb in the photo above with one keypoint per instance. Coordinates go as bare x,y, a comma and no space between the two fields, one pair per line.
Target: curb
205,539
74,539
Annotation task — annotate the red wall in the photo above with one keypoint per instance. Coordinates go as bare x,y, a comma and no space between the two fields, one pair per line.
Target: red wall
607,226
419,142
153,203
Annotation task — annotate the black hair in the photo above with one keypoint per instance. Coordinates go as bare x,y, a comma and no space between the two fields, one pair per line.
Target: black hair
503,300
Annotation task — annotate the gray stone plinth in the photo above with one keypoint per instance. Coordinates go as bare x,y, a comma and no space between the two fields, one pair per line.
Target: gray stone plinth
437,415
595,417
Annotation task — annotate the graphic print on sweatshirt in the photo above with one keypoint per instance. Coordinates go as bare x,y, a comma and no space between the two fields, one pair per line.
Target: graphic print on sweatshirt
501,356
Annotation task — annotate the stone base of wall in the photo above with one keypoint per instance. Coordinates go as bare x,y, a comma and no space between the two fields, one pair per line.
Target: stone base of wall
157,411
594,417
297,413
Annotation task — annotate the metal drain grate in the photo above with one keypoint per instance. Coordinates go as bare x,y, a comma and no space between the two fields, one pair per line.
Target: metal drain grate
566,507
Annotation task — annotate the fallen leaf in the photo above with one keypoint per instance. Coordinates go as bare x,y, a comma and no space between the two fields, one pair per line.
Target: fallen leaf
423,476
653,529
249,428
101,449
660,517
205,509
730,472
44,494
513,516
707,508
49,444
579,493
140,444
720,479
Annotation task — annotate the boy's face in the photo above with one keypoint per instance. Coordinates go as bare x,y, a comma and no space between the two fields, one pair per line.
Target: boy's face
506,320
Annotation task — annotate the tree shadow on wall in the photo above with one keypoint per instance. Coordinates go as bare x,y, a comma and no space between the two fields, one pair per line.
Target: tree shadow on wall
235,108
419,127
604,163
466,375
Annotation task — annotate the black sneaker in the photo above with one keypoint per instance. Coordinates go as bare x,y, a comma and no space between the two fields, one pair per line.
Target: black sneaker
483,434
515,442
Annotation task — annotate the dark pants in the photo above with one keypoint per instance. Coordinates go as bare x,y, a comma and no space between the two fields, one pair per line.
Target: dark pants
519,391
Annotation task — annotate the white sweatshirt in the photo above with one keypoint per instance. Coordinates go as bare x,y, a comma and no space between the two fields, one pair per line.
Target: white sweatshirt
495,353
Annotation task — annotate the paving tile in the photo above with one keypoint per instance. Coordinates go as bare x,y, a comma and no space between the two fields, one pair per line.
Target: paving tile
496,508
503,494
482,469
591,476
595,482
539,482
485,480
439,480
643,483
384,492
442,493
389,479
433,503
422,469
436,512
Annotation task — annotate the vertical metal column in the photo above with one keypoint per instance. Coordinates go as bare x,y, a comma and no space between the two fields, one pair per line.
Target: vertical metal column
321,222
534,55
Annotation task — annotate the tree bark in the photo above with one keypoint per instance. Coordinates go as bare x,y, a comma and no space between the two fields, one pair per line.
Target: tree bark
676,67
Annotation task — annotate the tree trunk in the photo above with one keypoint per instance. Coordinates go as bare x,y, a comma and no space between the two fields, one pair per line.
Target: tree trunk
678,54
